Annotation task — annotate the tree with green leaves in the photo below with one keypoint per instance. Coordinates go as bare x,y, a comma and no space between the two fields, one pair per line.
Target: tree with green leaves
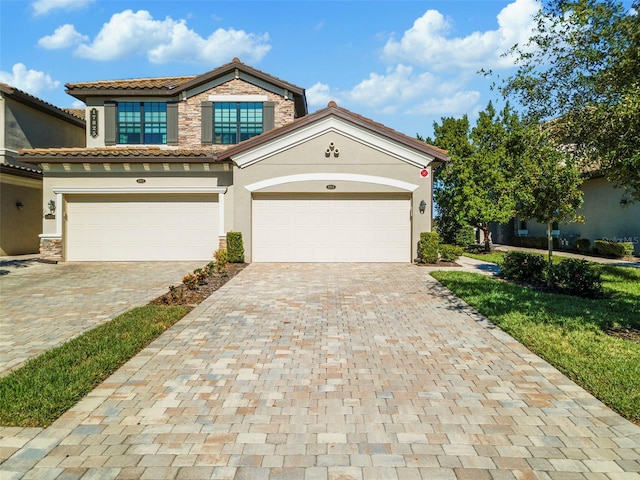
453,136
549,183
579,77
477,185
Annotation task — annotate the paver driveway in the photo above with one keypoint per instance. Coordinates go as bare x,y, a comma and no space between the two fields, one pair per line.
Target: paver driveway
333,372
43,305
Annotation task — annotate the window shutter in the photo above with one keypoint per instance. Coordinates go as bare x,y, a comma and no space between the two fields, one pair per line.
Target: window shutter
207,123
110,123
172,124
268,116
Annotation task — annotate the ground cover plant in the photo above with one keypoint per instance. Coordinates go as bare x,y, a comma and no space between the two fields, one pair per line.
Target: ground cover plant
592,341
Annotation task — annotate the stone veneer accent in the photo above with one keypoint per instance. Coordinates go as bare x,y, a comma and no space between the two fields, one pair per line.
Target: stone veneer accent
51,248
189,111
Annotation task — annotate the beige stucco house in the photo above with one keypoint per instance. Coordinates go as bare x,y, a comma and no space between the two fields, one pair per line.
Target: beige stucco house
27,122
608,214
172,164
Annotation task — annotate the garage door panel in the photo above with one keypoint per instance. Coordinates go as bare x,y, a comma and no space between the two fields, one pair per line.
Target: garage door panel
141,227
331,228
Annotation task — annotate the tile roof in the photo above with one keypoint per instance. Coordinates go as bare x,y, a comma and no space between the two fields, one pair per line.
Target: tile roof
38,103
76,112
104,154
21,168
168,83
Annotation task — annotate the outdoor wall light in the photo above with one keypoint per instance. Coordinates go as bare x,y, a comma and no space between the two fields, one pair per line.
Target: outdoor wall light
52,207
422,206
19,205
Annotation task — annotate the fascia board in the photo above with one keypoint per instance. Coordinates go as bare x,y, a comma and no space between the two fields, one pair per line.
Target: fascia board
333,124
138,190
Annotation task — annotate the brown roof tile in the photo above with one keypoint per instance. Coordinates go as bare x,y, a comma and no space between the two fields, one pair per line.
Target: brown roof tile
40,104
168,83
105,154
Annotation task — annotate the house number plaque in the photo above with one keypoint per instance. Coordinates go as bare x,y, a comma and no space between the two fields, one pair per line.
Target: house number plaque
93,122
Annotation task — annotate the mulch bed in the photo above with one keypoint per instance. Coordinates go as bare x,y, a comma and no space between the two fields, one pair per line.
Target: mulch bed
632,334
181,295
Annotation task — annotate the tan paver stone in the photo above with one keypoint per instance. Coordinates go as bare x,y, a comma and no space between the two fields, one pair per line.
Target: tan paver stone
332,371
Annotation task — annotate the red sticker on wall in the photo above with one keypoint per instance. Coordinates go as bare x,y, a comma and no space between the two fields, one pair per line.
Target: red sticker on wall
424,173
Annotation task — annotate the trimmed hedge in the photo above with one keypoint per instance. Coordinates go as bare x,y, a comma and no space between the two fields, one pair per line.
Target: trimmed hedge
613,249
534,242
576,277
465,236
450,253
528,267
570,276
428,247
235,247
582,245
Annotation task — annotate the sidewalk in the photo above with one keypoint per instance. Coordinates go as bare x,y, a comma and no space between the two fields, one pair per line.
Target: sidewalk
635,262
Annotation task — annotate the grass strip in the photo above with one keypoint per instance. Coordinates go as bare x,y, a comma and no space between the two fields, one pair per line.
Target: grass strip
568,332
47,386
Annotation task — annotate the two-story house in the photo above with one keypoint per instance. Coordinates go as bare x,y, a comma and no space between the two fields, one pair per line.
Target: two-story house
28,122
172,164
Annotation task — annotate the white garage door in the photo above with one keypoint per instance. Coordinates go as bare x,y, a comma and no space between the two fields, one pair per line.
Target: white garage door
141,227
331,228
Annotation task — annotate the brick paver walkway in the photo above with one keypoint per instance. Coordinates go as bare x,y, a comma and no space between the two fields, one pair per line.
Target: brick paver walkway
44,305
332,372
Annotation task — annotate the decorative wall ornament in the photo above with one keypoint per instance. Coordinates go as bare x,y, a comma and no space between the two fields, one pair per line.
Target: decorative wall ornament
331,150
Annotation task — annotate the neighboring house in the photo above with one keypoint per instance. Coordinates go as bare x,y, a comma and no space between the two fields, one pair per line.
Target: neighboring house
608,214
28,122
172,164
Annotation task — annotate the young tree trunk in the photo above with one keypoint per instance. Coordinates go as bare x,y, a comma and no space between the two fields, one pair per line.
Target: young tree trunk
487,239
550,247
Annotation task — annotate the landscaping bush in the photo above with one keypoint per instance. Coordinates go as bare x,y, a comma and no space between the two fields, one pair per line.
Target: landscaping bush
576,277
428,247
222,258
613,249
235,247
528,267
582,245
466,235
449,253
534,242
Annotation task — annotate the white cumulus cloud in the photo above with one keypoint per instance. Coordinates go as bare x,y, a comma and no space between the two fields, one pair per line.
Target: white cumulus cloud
453,105
131,33
63,37
42,7
429,42
31,81
319,95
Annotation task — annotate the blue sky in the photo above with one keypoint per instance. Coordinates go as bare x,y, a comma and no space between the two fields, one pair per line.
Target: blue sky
402,63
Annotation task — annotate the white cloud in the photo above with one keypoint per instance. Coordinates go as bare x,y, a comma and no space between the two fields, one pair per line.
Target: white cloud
42,7
64,37
31,81
451,106
319,95
128,34
428,42
385,93
398,86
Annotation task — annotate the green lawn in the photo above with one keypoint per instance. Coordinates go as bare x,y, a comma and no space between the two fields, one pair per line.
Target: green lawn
569,332
47,386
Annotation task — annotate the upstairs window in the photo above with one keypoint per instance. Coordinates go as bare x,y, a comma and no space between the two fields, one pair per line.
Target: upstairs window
142,123
234,122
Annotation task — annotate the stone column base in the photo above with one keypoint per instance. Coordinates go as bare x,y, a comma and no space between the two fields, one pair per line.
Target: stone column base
51,249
